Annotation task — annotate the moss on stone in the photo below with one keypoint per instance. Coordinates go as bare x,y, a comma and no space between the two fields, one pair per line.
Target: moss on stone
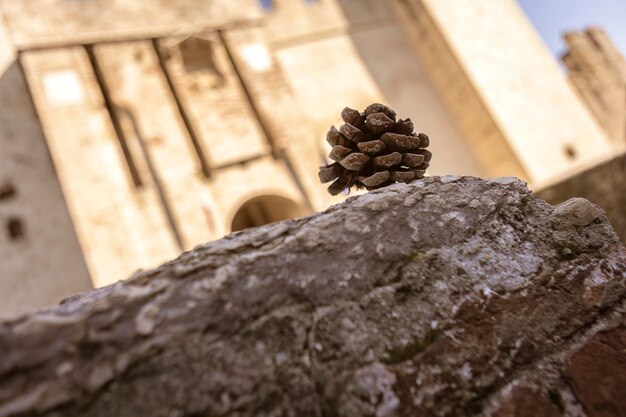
416,256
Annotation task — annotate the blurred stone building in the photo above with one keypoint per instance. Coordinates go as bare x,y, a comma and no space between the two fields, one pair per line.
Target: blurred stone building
130,131
597,70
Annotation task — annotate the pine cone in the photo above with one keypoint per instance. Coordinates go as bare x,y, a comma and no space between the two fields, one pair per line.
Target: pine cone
372,150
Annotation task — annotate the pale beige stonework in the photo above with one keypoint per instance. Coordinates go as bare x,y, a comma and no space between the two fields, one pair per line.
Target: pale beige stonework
40,23
130,71
520,85
464,102
177,122
598,72
111,218
7,51
217,106
44,263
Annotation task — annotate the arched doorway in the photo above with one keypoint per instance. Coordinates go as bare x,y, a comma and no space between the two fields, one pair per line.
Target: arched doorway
265,209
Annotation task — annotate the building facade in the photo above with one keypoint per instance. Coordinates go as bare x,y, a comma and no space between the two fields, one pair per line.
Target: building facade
131,132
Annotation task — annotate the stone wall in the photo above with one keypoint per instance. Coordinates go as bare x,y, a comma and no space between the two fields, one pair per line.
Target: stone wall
598,72
449,296
603,184
44,23
37,239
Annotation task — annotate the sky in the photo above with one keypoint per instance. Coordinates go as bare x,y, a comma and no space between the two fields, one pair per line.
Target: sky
553,17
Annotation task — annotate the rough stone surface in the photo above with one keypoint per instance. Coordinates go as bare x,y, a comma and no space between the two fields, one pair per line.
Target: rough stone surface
603,185
526,402
598,373
447,296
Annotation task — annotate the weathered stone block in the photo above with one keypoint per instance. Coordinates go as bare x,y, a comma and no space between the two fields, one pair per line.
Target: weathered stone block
448,296
597,373
603,184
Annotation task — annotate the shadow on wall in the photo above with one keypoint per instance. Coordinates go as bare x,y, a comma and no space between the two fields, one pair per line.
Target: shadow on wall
13,157
265,209
26,167
41,260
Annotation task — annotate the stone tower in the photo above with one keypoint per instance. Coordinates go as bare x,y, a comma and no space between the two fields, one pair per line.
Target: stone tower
40,256
598,72
169,124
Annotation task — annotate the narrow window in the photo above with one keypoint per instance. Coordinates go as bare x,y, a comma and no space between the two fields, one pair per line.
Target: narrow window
15,229
198,55
7,191
570,151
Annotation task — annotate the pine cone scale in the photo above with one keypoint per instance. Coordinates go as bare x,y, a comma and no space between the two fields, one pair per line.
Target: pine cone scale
339,152
330,173
402,176
371,147
339,185
419,173
424,140
375,179
355,161
351,116
427,154
351,133
399,142
387,161
412,159
403,127
380,108
333,136
379,122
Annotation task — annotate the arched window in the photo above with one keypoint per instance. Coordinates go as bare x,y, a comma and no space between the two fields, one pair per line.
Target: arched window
263,210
